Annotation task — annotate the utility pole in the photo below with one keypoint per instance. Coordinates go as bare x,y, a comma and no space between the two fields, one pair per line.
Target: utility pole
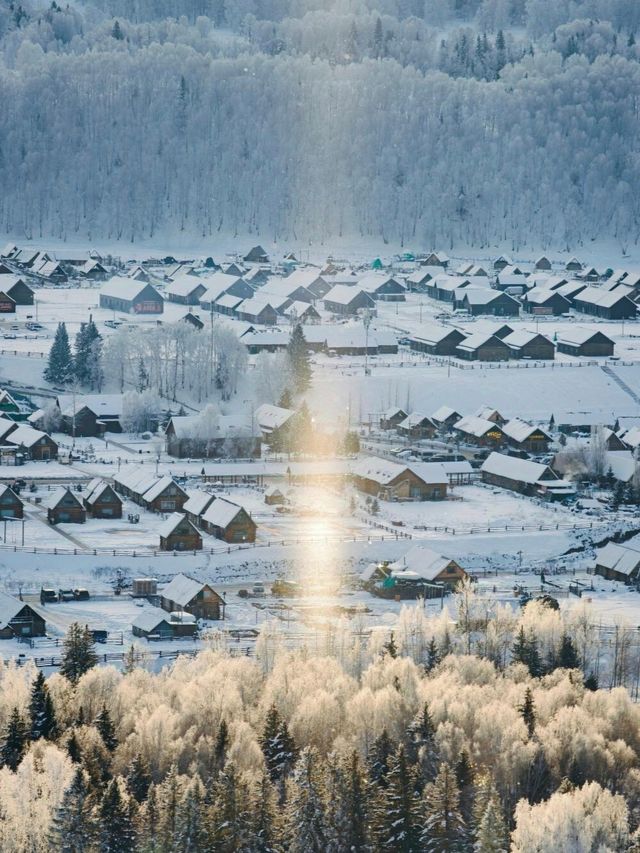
366,320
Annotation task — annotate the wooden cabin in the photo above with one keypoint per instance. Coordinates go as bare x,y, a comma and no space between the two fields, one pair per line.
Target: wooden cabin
177,533
186,594
63,506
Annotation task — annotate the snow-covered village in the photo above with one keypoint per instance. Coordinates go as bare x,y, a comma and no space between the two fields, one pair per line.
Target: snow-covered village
319,427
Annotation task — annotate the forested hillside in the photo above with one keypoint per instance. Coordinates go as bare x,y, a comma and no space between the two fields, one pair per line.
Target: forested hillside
430,122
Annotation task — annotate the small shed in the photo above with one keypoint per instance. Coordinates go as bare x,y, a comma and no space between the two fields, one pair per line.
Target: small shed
274,497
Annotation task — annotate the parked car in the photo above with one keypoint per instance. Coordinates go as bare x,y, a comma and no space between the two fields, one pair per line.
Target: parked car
81,594
48,596
99,635
65,595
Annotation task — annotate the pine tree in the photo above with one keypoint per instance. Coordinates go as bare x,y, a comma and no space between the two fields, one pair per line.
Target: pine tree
397,816
379,757
492,835
105,726
87,344
167,799
116,31
264,827
348,799
567,656
298,354
192,834
74,828
528,712
41,713
465,776
138,779
231,813
285,401
433,655
59,369
143,376
147,823
552,423
15,741
444,829
73,748
221,745
306,818
422,749
78,654
278,746
378,40
116,827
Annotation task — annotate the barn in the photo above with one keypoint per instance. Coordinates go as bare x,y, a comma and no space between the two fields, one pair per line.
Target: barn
483,346
436,340
131,297
524,344
584,342
389,480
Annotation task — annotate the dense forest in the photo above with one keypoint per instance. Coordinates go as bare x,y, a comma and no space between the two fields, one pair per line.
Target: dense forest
486,735
424,122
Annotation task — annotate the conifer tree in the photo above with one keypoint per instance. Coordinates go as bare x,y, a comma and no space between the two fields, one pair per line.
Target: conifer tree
74,828
567,656
433,655
138,778
278,746
390,647
398,819
221,745
464,773
230,813
192,834
298,354
348,805
379,759
264,818
444,829
59,368
167,803
528,712
147,821
492,835
421,748
41,712
116,827
306,816
73,748
285,401
87,343
15,740
105,726
78,655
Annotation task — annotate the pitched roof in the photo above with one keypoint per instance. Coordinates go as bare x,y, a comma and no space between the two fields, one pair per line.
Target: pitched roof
198,501
271,417
444,413
578,335
185,284
95,490
603,298
52,500
149,619
9,608
621,558
344,294
125,288
158,488
182,589
25,436
423,561
513,468
472,425
477,340
221,512
415,419
517,340
170,523
520,430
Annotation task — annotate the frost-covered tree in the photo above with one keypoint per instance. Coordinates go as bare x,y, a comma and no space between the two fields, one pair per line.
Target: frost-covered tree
41,711
444,829
14,741
74,827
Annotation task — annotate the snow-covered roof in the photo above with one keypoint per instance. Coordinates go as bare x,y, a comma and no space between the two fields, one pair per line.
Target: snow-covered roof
158,488
577,335
221,513
9,608
431,333
52,500
443,414
124,288
482,295
422,561
382,471
171,522
95,490
102,405
181,589
344,294
517,340
257,304
520,430
477,340
149,619
540,295
620,558
185,284
197,501
513,468
282,287
374,281
271,417
299,309
6,425
472,425
487,412
622,464
393,412
303,278
414,419
25,436
604,298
